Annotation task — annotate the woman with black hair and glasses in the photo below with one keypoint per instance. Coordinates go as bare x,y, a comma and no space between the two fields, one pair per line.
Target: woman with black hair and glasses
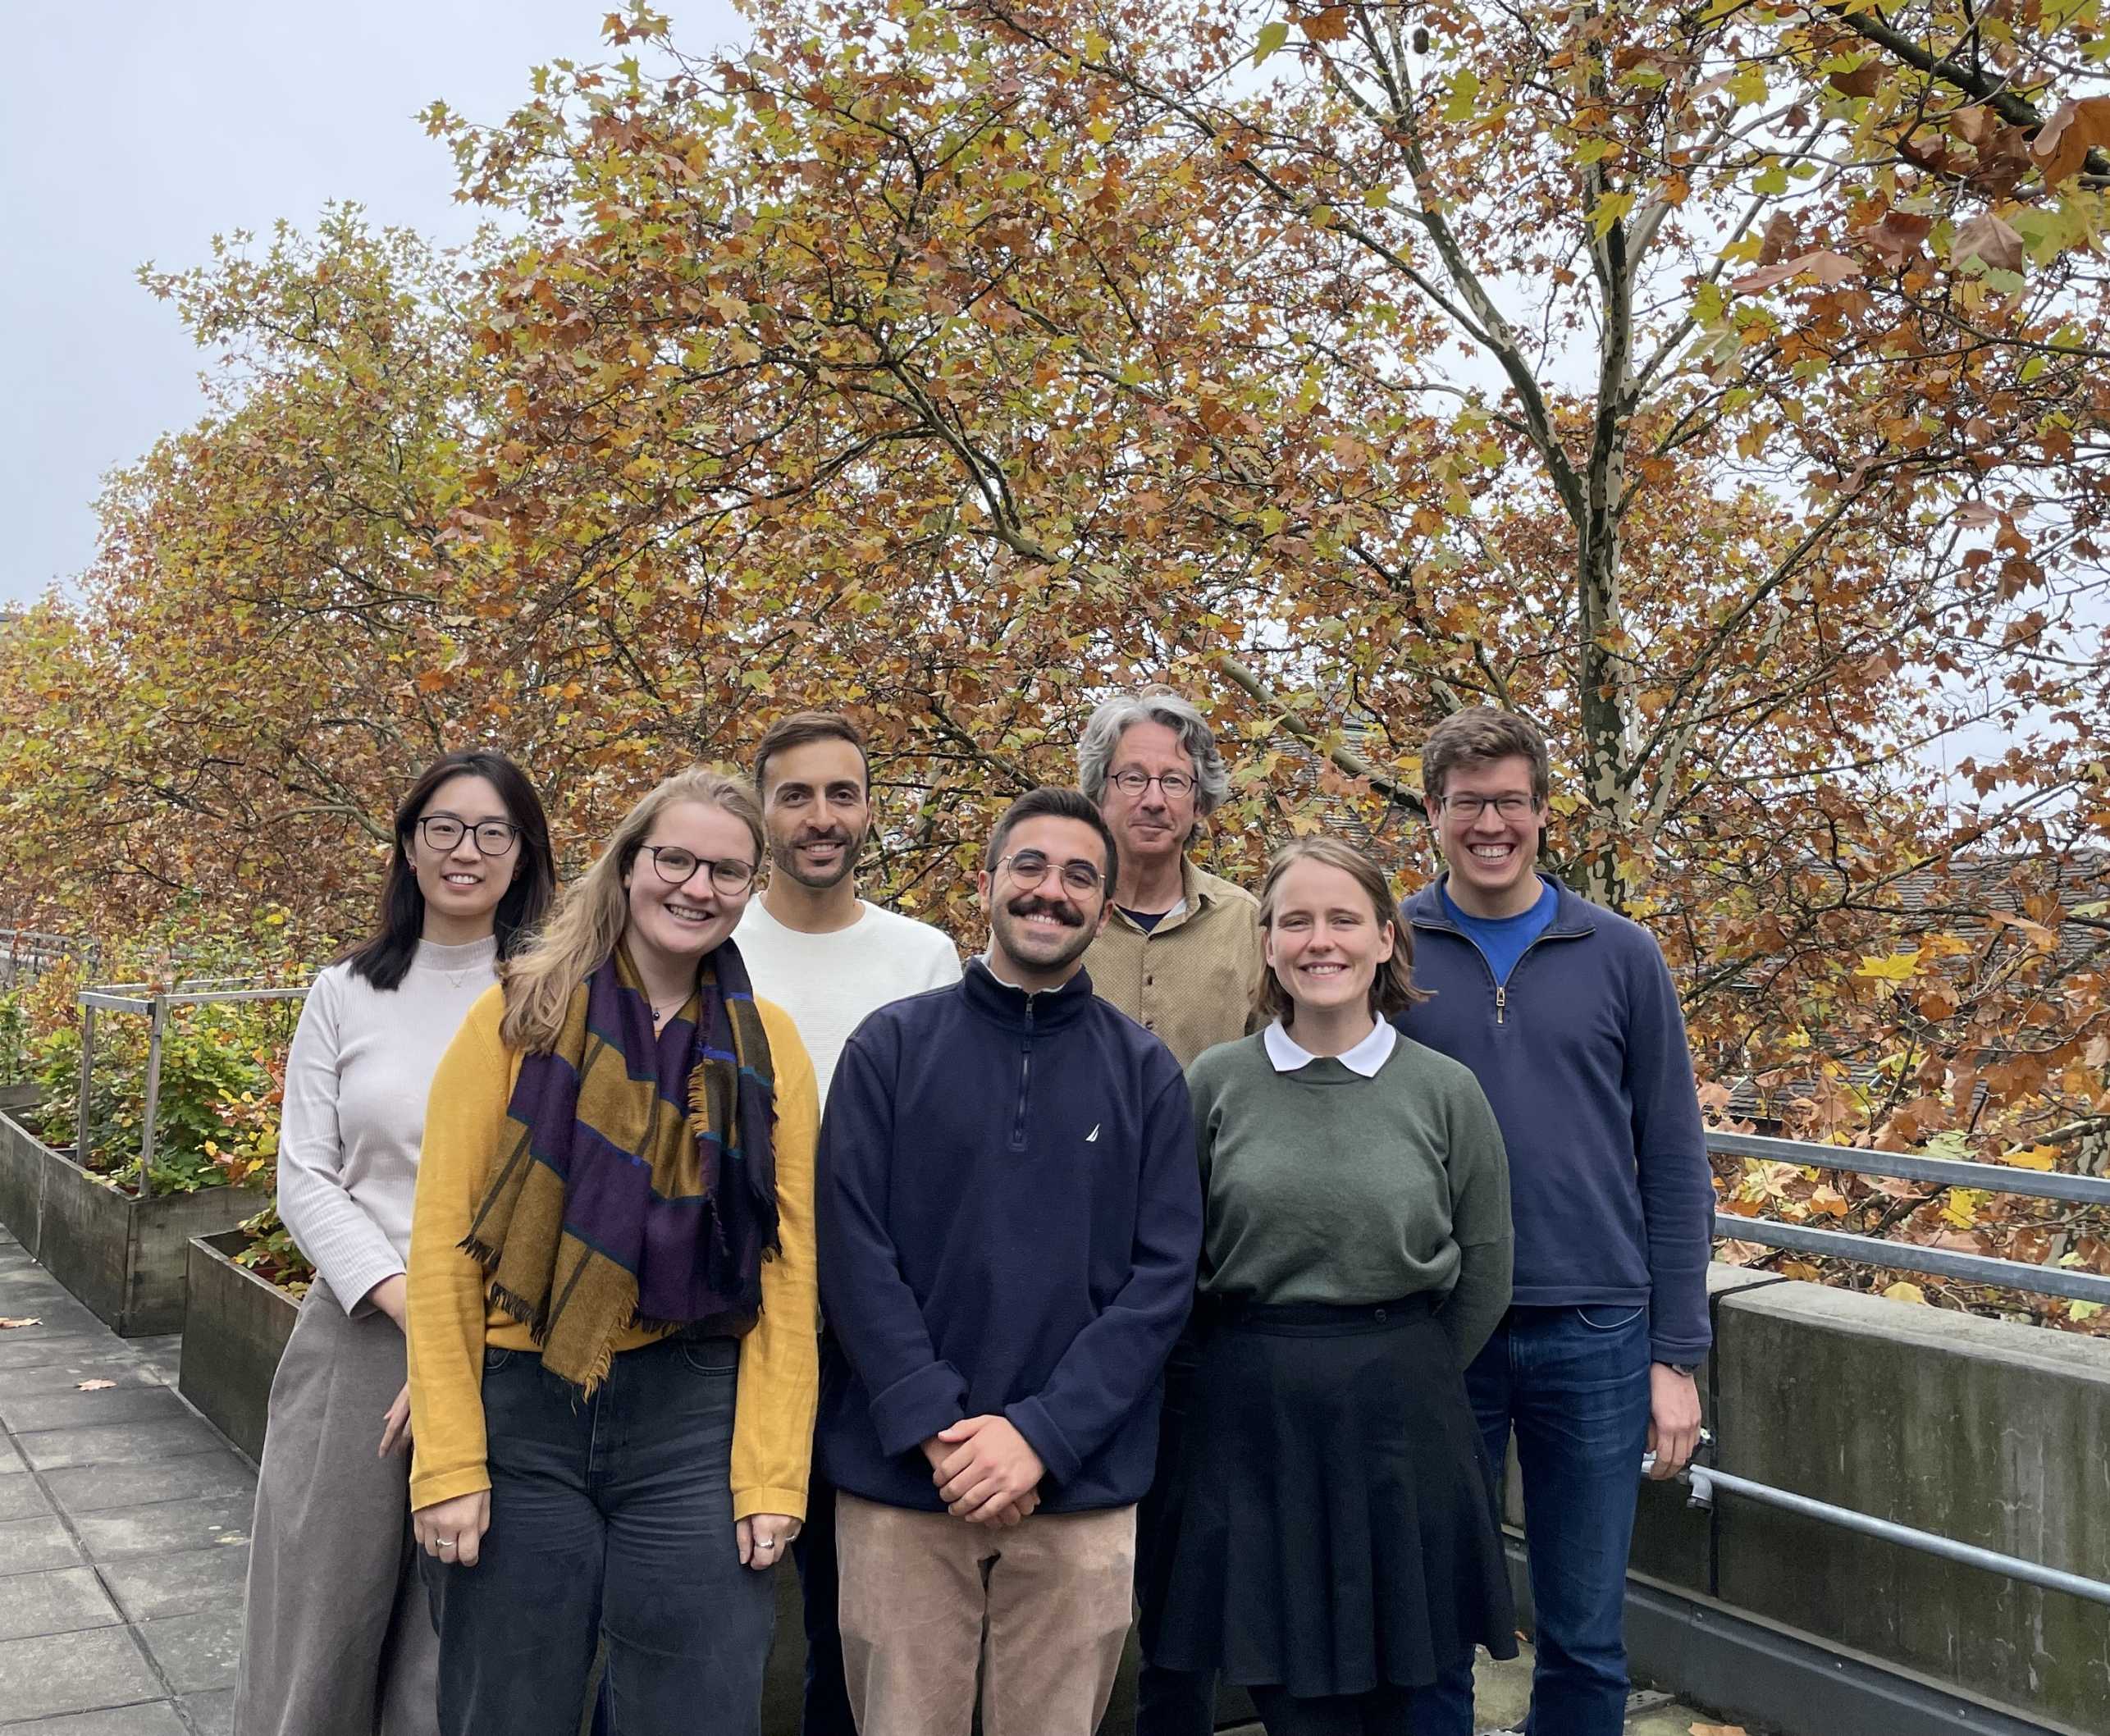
338,1641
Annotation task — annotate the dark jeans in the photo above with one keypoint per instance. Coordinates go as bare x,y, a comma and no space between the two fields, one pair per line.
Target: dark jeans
610,1516
1168,1702
826,1711
1383,1711
1573,1383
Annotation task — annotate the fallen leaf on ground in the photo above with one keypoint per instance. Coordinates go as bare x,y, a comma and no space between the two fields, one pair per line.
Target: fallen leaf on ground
94,1386
1719,1729
8,1323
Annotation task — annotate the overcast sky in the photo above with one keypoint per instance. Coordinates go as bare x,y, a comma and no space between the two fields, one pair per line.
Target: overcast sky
136,129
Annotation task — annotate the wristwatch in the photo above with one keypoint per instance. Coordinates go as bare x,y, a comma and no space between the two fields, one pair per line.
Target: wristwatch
1688,1369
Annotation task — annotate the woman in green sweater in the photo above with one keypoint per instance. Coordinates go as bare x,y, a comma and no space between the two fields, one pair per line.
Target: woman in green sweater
1334,1538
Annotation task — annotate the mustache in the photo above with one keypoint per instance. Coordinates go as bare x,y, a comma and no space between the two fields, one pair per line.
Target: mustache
834,835
1067,914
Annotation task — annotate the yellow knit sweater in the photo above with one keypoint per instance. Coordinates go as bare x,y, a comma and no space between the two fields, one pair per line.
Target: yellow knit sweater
450,1323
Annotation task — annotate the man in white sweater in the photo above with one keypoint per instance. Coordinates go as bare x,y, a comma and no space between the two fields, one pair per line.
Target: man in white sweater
828,957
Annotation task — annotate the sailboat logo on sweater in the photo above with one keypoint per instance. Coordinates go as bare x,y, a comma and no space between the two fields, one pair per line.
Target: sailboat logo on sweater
1092,1137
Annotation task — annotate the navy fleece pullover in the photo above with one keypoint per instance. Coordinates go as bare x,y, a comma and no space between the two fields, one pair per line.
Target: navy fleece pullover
1009,1218
1582,1054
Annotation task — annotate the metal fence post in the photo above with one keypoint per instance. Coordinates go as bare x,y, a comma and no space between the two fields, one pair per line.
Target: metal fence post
87,1075
155,1021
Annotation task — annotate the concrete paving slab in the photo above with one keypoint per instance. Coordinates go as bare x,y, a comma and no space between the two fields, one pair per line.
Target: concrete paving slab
149,1587
60,1602
119,1443
151,1718
197,1652
29,1545
210,1715
142,1401
166,1528
90,1488
80,1672
28,1347
163,1354
44,1378
21,1497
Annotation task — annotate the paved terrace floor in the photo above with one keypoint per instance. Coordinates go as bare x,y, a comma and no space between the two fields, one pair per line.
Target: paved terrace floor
124,1538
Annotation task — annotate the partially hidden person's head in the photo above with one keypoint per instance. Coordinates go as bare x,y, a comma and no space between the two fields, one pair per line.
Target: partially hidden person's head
472,848
1148,760
670,885
815,779
1485,778
1333,936
1046,885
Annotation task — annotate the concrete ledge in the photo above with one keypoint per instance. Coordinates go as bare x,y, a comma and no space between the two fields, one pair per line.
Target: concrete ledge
1983,1431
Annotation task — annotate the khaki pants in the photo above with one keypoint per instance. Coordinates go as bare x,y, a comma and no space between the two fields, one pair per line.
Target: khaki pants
1041,1609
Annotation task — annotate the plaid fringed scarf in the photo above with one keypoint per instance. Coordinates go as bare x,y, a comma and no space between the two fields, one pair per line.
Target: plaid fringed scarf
636,1185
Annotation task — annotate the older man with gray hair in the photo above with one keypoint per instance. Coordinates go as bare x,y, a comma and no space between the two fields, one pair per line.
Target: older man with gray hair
1180,954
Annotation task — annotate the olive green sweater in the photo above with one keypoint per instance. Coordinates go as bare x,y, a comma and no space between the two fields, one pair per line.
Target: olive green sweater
1321,1186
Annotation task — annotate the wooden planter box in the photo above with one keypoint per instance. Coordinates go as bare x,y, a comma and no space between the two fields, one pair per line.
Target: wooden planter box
126,1258
234,1327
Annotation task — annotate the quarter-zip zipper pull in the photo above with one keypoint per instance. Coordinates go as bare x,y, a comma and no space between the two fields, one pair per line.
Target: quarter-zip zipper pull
1501,1002
1024,1080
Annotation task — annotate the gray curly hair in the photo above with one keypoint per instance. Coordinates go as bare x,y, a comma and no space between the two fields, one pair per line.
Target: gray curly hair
1154,705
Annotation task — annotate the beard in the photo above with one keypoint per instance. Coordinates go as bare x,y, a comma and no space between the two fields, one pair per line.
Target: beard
784,858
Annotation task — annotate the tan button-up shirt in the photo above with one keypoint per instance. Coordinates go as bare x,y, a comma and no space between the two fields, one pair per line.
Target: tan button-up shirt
1191,978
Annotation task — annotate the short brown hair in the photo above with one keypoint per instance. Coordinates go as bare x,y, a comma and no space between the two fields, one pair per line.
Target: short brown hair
1479,735
1392,990
799,728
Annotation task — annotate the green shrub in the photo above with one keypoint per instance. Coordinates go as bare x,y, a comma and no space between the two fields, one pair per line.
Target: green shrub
270,1253
216,1119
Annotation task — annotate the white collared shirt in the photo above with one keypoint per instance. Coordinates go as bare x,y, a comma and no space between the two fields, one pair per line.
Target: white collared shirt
1287,1054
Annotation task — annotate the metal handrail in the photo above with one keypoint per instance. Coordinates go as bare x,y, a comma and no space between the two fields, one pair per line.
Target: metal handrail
1704,1481
1994,1178
1943,1172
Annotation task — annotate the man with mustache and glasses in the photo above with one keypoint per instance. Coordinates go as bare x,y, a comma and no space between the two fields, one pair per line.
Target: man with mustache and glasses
1182,955
1009,1218
828,957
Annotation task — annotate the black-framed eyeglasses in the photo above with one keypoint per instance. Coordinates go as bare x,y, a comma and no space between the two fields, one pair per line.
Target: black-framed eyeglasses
1509,805
676,865
442,832
1133,783
1029,868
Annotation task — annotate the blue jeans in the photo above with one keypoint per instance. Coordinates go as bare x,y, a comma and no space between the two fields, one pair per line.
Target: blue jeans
610,1516
1573,1383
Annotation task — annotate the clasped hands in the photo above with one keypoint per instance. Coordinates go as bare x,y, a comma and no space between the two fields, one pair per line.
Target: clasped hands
986,1472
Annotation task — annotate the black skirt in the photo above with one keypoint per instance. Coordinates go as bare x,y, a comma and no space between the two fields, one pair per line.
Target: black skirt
1333,1524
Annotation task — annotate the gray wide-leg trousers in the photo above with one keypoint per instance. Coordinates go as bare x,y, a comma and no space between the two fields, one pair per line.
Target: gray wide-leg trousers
338,1637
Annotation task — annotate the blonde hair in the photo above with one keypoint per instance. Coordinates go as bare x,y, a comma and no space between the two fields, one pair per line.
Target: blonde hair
1392,988
596,906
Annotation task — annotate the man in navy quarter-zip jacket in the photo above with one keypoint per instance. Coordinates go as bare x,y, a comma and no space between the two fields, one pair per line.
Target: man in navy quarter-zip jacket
1009,1218
1567,1015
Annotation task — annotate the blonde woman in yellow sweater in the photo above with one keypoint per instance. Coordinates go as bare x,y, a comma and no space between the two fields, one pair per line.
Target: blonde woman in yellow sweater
612,1303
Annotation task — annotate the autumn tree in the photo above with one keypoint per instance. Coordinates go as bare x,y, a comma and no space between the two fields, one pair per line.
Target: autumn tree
1721,385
